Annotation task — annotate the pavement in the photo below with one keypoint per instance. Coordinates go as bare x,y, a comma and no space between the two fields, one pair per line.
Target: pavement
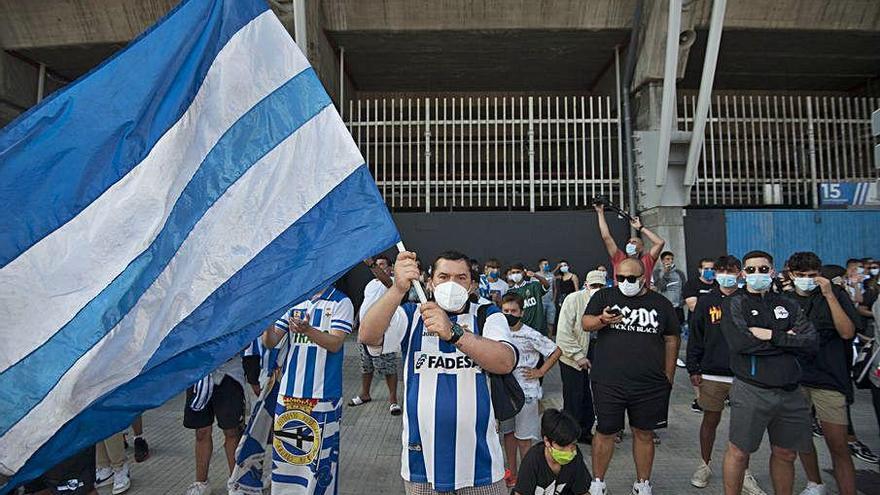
370,446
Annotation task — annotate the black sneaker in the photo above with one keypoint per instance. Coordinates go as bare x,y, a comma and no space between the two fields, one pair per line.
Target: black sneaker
862,452
141,450
695,407
817,429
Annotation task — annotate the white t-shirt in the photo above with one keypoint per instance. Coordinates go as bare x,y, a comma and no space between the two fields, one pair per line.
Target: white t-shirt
499,287
372,293
531,345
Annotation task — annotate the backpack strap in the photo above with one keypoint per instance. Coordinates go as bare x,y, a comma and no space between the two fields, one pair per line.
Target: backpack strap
481,318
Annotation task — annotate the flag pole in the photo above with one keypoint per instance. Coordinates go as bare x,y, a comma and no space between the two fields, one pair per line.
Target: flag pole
418,285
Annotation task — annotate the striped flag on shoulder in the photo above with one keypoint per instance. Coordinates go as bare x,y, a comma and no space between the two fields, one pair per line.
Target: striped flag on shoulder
158,214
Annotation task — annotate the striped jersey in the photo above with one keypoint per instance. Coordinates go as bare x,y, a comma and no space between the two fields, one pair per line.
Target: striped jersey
311,372
449,431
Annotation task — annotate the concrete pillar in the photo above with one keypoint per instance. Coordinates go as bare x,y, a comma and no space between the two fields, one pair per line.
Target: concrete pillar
661,209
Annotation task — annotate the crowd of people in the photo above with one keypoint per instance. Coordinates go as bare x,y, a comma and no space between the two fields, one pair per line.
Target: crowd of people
773,343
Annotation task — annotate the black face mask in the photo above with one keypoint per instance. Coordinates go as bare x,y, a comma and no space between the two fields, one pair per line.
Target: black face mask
512,320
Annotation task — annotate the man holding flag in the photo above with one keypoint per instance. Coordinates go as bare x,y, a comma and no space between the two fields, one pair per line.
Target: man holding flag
161,212
450,442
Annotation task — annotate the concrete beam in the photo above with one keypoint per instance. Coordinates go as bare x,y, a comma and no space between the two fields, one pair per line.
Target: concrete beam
652,42
18,86
826,15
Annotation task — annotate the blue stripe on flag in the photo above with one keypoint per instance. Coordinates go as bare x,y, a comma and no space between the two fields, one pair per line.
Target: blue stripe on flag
311,253
81,141
288,108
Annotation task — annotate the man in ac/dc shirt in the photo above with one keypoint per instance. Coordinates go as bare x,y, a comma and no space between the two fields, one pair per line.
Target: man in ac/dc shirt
636,346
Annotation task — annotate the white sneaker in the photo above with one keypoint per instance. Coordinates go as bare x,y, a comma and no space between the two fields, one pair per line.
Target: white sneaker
750,485
701,476
680,363
103,476
121,480
814,489
642,488
199,488
597,487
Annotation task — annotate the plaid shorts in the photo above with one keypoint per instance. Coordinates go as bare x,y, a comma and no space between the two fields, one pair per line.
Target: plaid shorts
386,364
497,488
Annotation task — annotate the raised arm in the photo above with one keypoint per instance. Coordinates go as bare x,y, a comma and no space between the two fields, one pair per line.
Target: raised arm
657,242
610,246
378,317
845,327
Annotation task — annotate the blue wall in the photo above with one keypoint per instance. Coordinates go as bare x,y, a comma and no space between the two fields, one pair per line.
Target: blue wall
835,235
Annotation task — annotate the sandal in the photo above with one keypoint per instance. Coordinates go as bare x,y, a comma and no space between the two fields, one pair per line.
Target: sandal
395,409
357,401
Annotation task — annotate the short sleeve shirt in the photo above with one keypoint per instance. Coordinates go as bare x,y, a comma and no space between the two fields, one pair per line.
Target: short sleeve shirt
632,352
536,478
533,307
531,345
696,288
646,260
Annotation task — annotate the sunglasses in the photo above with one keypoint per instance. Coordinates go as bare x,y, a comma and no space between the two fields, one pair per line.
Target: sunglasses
762,269
629,278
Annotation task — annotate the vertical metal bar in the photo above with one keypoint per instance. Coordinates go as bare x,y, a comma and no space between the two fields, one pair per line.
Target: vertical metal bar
850,135
834,121
756,168
730,125
300,26
454,164
419,133
376,148
573,144
461,139
584,138
783,118
445,157
712,123
567,177
768,165
479,162
341,81
619,127
522,152
504,149
609,147
427,155
435,162
556,118
803,154
544,180
592,150
389,126
548,172
496,178
601,149
531,155
824,161
409,156
739,174
812,143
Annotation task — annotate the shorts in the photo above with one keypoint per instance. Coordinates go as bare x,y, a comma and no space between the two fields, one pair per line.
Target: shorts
497,488
550,313
830,405
507,426
646,407
784,414
73,476
226,404
385,364
712,395
527,422
305,446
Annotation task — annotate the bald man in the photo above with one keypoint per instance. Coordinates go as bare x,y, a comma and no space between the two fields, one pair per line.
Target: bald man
633,368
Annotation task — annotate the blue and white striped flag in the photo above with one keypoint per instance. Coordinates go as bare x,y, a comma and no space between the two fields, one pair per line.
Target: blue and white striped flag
157,215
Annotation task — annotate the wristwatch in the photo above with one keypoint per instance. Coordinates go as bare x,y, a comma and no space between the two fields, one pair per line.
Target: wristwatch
457,333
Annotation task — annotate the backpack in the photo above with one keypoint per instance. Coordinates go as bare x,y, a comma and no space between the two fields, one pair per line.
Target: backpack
507,396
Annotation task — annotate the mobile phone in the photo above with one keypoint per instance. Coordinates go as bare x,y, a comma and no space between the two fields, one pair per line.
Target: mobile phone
614,312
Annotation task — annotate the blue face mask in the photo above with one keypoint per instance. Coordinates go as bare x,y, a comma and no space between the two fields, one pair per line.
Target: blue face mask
630,249
759,281
726,280
708,274
805,284
493,273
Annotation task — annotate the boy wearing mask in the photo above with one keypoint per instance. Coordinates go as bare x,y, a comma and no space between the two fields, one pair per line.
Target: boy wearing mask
555,466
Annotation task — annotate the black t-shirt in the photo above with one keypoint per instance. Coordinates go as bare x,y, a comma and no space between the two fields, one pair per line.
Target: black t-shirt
695,287
536,478
830,368
632,352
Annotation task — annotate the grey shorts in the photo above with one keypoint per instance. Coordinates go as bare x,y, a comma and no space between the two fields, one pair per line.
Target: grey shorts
386,364
784,415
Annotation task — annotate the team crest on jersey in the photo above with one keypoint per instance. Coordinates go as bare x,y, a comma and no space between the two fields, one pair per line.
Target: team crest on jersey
298,436
780,312
444,363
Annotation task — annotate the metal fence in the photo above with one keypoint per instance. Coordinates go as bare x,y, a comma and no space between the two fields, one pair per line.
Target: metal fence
490,152
556,152
776,150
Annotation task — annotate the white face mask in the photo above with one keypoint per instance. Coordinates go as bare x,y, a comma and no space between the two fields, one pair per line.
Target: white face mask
630,289
631,249
516,277
450,296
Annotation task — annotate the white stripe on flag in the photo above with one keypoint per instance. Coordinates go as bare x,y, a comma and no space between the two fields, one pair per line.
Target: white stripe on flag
126,219
316,158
